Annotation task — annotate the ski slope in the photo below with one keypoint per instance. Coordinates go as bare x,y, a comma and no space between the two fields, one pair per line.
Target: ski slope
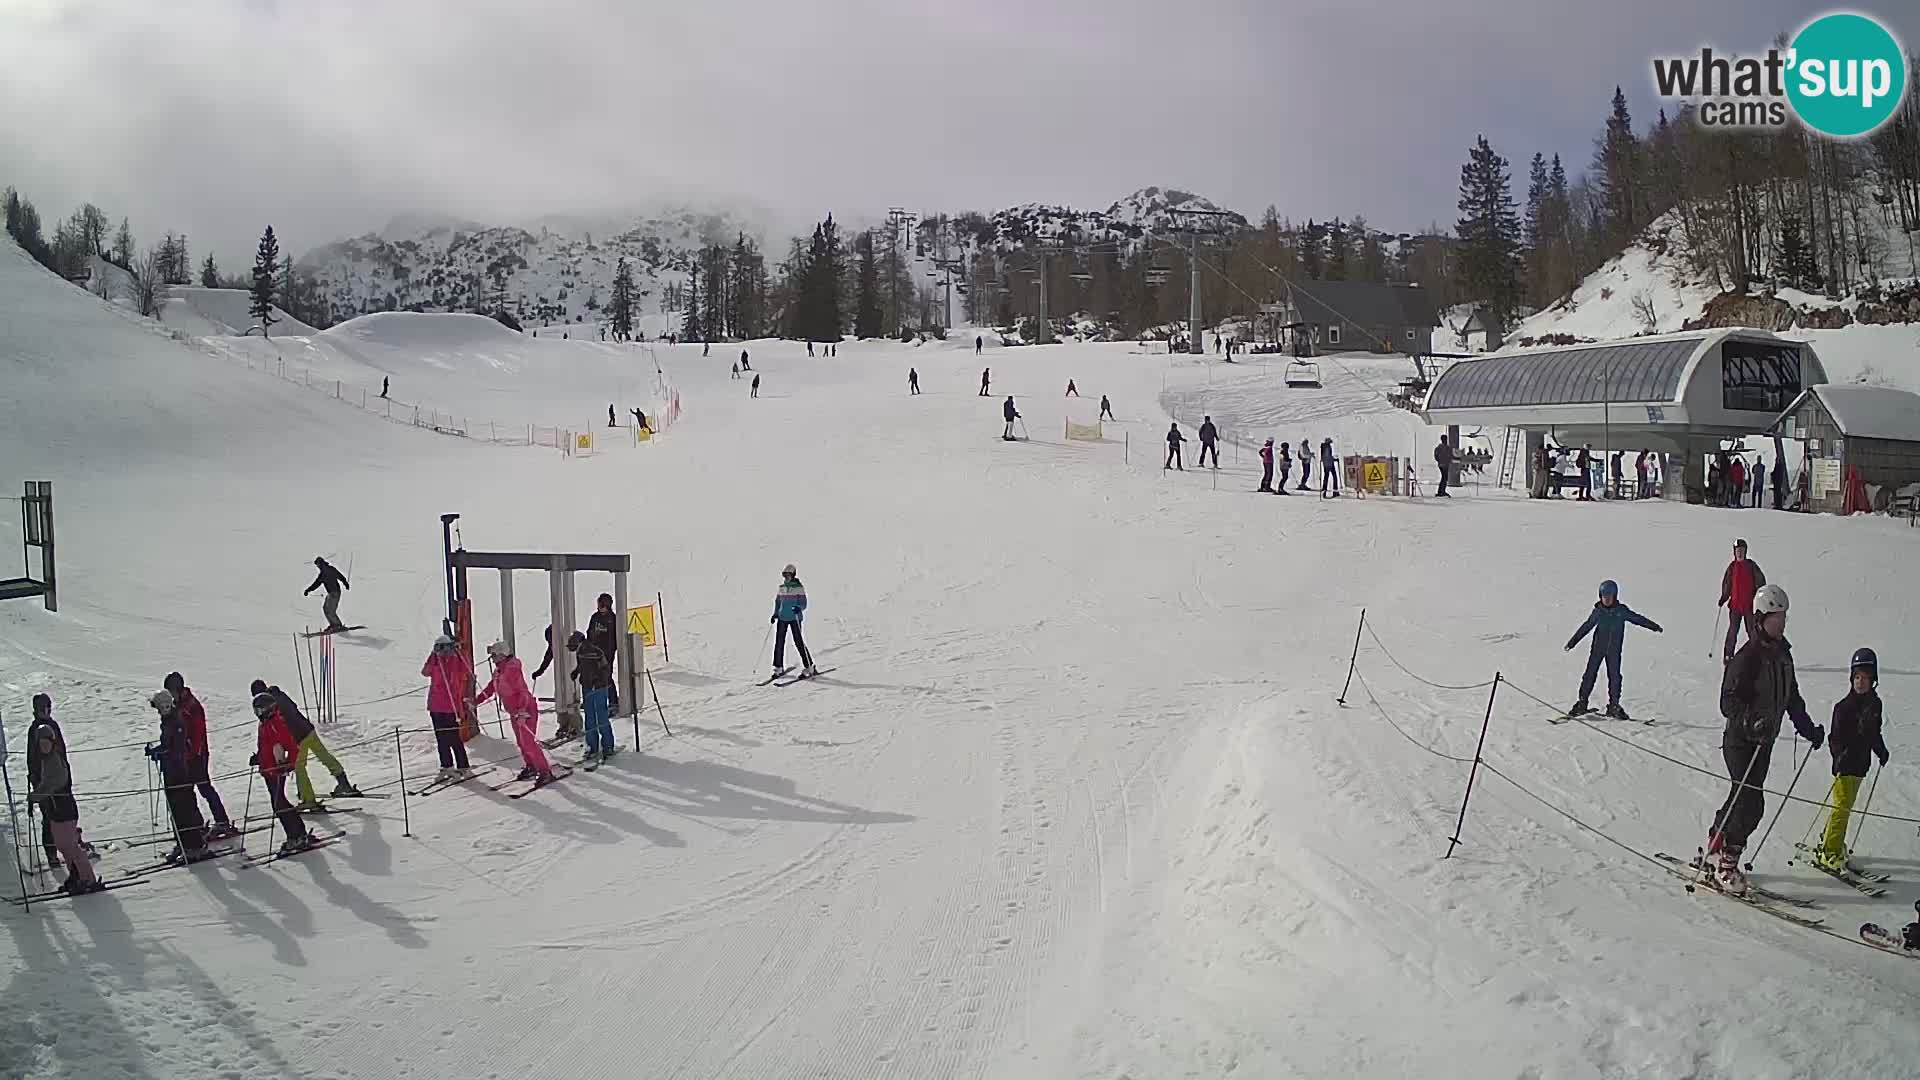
1077,801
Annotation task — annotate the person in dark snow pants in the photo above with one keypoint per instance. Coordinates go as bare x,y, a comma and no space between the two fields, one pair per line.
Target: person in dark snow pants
603,630
754,390
447,677
274,754
979,343
1738,583
310,745
611,422
174,756
789,611
1286,468
1072,391
745,364
1329,475
333,581
567,724
1306,463
1174,439
1443,457
193,716
1011,414
913,381
43,727
383,385
1106,409
51,793
1608,624
1266,468
1209,439
986,380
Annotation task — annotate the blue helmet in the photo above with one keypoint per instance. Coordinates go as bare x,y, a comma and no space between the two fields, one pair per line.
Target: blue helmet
1610,587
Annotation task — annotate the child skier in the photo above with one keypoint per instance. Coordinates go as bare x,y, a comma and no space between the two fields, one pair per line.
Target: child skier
789,610
1286,468
310,745
523,709
1608,623
594,672
1853,738
1266,468
275,752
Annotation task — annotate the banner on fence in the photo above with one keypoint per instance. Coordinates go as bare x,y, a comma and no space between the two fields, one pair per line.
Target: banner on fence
1084,432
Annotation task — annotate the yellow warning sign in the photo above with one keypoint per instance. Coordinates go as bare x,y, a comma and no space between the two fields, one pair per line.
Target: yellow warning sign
1373,474
583,442
640,621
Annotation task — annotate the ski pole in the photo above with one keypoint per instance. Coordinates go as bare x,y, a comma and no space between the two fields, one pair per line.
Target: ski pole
245,809
1720,826
763,641
1864,807
1781,809
1714,641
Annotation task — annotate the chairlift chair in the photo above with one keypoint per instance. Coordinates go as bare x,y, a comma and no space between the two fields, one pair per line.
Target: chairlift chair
1303,375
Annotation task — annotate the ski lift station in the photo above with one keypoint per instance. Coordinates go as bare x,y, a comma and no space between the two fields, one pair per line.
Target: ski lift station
1678,394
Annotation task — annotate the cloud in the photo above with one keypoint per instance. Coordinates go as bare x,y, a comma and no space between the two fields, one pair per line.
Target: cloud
326,118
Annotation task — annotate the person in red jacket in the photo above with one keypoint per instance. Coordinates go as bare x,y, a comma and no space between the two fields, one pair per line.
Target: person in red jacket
193,717
446,672
274,754
1737,585
1737,481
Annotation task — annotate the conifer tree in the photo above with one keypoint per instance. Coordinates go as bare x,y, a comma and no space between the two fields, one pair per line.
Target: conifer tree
866,311
209,273
265,260
620,306
690,328
1489,231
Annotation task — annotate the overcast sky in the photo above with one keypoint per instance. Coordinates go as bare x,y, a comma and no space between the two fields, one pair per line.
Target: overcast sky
327,117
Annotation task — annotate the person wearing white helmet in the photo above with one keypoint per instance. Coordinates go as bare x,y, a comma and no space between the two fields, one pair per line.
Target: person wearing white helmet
447,675
789,609
523,710
174,753
1757,689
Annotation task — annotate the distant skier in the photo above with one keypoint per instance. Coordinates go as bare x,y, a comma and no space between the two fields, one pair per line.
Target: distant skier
986,381
754,391
1738,583
1853,738
735,372
383,385
1286,468
745,364
1584,459
310,746
333,581
275,752
1011,414
1608,624
640,420
979,342
1640,475
1209,442
809,348
193,718
706,349
913,381
509,683
789,611
174,756
1756,690
1106,409
1780,481
50,791
1329,470
1266,468
1759,478
1306,463
1736,481
1619,470
594,672
1072,391
447,680
1174,439
611,422
1443,457
603,629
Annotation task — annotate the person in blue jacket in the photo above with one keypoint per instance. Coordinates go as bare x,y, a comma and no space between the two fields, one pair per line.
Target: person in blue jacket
789,608
1608,624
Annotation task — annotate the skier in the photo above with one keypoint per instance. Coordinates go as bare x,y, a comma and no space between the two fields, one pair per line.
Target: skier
1286,468
1328,473
1443,457
755,390
979,342
986,380
1757,689
523,710
913,381
1759,474
38,756
1266,468
1619,474
176,778
603,629
1780,481
1071,390
789,610
275,753
735,373
566,725
383,385
1737,482
1106,409
1853,737
1306,462
333,581
1011,414
640,420
1209,442
309,743
1608,623
1640,473
1174,439
809,348
1738,583
706,349
595,676
1584,459
193,717
51,792
745,364
446,672
611,422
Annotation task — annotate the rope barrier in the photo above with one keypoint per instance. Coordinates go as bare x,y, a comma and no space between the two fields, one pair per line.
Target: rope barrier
1417,678
1403,733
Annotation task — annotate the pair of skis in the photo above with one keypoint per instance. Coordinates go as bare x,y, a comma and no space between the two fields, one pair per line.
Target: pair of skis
784,679
1592,715
436,785
532,783
1865,882
313,843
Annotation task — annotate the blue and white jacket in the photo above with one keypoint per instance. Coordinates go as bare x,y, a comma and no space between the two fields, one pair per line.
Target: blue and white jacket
790,601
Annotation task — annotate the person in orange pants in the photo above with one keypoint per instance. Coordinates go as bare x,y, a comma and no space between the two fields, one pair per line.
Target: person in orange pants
509,683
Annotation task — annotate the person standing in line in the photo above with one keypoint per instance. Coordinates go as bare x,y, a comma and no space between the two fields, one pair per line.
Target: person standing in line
1106,409
1737,482
1072,391
1780,481
789,611
566,725
1584,460
333,581
594,673
754,391
1174,439
1619,474
1443,457
1286,468
913,381
50,791
1759,475
1757,689
603,629
176,779
1738,583
1640,474
979,342
509,682
1854,738
1306,462
1329,471
1209,439
275,752
310,746
193,716
1010,414
611,422
986,380
42,727
1266,468
446,673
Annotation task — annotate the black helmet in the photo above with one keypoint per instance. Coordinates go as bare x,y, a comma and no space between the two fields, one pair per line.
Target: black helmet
263,705
1864,657
175,682
575,640
259,687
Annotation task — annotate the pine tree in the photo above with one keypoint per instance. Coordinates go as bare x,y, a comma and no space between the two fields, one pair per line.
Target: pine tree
180,266
620,305
1370,255
265,260
1617,174
714,322
1313,250
123,246
1489,231
1337,251
866,305
1793,258
690,328
209,273
819,307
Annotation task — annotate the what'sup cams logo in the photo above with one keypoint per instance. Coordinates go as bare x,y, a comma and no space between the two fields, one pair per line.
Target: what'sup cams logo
1843,75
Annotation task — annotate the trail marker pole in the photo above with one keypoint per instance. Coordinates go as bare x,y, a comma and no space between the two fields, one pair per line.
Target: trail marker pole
1354,660
406,812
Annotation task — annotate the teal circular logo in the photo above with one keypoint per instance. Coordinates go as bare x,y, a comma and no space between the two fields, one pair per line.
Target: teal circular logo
1846,75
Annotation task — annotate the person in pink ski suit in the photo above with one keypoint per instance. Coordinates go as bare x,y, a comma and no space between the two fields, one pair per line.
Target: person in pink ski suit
523,709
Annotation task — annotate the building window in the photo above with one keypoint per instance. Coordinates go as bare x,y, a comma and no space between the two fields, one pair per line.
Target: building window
1333,335
1409,333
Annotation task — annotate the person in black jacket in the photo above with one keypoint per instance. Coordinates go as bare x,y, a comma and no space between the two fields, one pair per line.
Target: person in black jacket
310,745
1010,414
43,726
603,630
333,581
1855,739
1443,457
51,791
753,388
1209,442
174,752
595,675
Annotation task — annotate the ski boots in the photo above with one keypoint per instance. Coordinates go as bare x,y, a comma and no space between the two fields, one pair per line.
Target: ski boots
1615,712
177,857
526,774
1727,875
1831,862
1580,708
344,789
809,672
292,846
780,671
224,830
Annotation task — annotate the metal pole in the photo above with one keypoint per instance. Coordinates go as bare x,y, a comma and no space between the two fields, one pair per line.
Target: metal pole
1354,660
506,610
1194,344
660,620
446,540
406,813
1454,840
13,820
622,659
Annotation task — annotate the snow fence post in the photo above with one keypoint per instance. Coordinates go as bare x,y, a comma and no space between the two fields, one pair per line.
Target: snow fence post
1354,660
406,812
660,614
19,865
1454,840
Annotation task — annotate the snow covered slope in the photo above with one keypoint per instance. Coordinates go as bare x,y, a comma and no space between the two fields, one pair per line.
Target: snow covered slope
1077,799
203,312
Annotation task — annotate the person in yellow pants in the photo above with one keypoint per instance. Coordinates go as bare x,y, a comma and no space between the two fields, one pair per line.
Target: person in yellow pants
310,746
1855,739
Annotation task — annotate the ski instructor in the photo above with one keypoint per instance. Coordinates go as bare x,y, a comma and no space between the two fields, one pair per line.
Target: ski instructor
333,581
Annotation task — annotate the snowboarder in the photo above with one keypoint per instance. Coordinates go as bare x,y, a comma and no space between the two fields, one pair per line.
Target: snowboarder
603,629
310,745
446,672
1286,468
174,755
1853,738
1209,442
979,342
1738,583
1306,462
789,611
1106,409
509,682
1443,457
913,381
333,581
275,752
51,793
1266,468
1757,688
383,385
1608,624
1011,414
1071,390
745,364
42,727
193,717
986,380
594,672
754,391
1174,439
1328,473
